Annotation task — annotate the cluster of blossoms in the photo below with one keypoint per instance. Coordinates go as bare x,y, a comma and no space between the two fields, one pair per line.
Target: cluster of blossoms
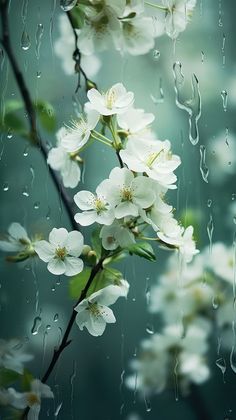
129,26
191,303
12,359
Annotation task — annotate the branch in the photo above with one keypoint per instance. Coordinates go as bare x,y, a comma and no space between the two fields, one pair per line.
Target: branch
29,107
65,341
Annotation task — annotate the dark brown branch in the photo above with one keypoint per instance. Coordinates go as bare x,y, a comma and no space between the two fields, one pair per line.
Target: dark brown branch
34,134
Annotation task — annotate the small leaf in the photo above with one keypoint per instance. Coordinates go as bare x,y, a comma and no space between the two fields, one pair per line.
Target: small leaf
78,282
46,115
142,249
77,15
8,377
96,242
13,105
26,380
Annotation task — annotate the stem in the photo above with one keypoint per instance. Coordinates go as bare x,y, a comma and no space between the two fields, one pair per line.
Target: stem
65,341
102,141
157,6
29,107
102,136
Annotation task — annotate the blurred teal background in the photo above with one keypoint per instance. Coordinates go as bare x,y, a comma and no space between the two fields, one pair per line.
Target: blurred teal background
88,380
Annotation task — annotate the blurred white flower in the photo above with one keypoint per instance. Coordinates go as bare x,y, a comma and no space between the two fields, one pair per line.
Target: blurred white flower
222,157
115,101
62,252
17,239
127,193
193,367
95,208
60,160
31,399
115,235
64,47
173,16
12,356
154,158
137,36
183,240
221,261
94,312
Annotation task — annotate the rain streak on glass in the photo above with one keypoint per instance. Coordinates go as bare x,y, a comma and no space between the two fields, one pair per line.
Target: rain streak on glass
203,168
193,105
38,39
36,325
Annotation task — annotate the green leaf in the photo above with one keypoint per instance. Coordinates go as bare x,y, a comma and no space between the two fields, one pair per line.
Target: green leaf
26,380
46,115
78,282
13,105
96,242
77,16
14,123
142,249
8,377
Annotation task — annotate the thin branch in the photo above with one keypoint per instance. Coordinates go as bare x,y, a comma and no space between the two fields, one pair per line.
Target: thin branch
34,134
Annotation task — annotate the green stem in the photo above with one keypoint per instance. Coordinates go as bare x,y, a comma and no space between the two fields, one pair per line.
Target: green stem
101,140
157,6
102,136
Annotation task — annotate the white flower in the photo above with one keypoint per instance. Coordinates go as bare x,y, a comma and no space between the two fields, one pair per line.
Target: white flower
95,208
126,193
101,27
174,16
17,239
94,313
221,261
135,122
154,158
183,240
60,160
134,6
137,37
76,136
115,101
64,47
12,356
31,399
115,235
193,367
221,157
62,252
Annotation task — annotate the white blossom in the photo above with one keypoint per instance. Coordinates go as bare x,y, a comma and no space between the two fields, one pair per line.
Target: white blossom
221,157
193,367
64,47
115,235
115,101
136,122
137,36
17,239
127,193
174,16
221,261
62,252
154,158
60,160
31,399
95,208
12,356
94,312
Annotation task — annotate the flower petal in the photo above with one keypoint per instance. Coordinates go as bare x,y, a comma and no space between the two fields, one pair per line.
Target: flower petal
84,200
58,237
73,266
74,243
86,218
17,232
56,266
45,250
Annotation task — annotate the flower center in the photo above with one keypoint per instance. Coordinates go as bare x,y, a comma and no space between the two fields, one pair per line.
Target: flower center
99,205
110,98
32,399
61,253
94,309
126,194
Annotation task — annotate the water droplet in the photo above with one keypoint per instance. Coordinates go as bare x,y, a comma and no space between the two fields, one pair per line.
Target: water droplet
58,409
36,325
9,134
147,404
56,317
39,74
202,56
36,205
67,5
210,229
156,54
48,327
232,356
53,288
48,214
24,10
224,96
234,220
222,366
193,105
25,191
150,329
38,39
203,168
233,196
5,186
209,202
215,302
25,41
26,151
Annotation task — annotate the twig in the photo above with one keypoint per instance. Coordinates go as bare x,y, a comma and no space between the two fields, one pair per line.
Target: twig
34,134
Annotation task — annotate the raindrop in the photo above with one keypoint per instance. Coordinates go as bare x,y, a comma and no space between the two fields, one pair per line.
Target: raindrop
25,191
48,327
156,54
39,74
192,106
67,5
147,404
215,302
233,196
5,186
55,318
234,220
38,38
26,151
36,205
25,41
222,366
9,134
224,96
150,329
24,10
36,325
209,202
58,409
203,168
48,214
202,56
159,100
53,288
210,229
232,362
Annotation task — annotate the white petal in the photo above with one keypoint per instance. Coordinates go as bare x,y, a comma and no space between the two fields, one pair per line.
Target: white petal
10,246
34,412
58,237
86,218
126,209
56,266
108,315
73,266
45,250
74,243
17,231
71,174
106,296
84,200
56,158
